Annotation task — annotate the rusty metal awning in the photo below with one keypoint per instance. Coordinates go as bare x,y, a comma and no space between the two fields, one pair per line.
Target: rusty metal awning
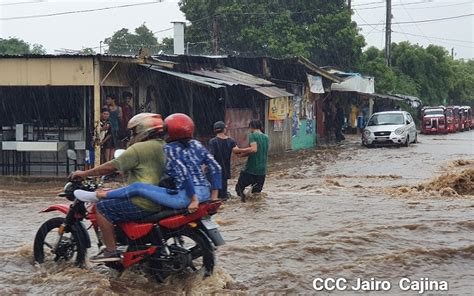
232,77
204,81
414,102
273,92
312,67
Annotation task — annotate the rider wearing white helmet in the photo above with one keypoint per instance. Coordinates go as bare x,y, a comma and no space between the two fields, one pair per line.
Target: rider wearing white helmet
143,161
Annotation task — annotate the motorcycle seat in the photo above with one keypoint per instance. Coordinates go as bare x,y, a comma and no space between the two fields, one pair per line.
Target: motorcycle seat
165,213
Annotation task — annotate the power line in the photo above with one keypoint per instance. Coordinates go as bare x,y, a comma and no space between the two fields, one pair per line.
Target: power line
20,3
426,21
438,38
368,3
415,3
77,11
164,30
409,15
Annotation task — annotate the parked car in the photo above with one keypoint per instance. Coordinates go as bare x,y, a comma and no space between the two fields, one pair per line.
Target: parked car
392,128
434,120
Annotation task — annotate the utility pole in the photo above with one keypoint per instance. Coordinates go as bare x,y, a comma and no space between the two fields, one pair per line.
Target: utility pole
349,4
388,33
452,53
215,36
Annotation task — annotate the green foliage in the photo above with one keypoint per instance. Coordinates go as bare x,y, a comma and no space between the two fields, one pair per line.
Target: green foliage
124,42
429,73
319,30
15,46
87,50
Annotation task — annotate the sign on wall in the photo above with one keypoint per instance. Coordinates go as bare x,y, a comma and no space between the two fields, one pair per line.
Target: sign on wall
277,108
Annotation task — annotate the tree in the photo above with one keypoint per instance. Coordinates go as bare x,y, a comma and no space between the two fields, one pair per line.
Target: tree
319,30
124,42
429,73
87,50
15,46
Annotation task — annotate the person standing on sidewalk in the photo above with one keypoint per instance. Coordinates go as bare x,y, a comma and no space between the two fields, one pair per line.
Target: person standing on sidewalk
222,147
115,118
256,167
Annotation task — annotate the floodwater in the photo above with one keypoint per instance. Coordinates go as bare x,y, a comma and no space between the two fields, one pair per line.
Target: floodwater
340,211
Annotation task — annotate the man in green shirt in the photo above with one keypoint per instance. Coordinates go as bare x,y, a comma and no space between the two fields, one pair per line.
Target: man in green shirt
144,161
256,167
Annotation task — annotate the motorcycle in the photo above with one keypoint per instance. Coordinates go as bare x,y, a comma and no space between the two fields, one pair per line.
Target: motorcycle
163,243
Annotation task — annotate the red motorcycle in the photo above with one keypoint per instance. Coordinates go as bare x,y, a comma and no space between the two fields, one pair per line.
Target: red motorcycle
163,243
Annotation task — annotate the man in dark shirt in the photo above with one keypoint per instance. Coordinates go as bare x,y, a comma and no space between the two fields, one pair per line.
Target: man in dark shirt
221,147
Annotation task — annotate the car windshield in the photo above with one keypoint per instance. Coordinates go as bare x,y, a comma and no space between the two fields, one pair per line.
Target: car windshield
434,112
386,119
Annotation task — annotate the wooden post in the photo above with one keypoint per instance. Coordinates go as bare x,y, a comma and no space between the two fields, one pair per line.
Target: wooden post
97,105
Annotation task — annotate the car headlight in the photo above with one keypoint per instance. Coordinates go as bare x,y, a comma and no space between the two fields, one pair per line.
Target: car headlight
399,131
366,133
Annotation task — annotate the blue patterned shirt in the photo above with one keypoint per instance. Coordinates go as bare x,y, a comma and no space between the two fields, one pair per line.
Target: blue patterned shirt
184,165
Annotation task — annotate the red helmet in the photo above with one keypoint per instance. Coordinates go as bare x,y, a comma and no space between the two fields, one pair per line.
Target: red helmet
179,126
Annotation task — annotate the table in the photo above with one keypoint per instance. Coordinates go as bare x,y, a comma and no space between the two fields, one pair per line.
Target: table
16,155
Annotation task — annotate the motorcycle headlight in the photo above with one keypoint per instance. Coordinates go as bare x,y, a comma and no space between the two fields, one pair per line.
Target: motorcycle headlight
399,131
366,133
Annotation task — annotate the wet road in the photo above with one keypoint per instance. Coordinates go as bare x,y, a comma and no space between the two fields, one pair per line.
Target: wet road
345,212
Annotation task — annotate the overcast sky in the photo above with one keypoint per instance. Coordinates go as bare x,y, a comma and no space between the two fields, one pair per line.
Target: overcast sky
75,31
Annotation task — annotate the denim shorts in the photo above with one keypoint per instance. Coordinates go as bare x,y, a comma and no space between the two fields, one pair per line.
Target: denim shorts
121,210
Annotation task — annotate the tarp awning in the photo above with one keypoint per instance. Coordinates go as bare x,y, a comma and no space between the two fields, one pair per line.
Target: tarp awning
356,83
209,82
315,84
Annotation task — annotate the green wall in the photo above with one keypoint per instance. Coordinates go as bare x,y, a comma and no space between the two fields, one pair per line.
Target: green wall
304,136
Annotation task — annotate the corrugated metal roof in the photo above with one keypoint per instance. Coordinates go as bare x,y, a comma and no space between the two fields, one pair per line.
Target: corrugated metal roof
214,83
41,56
233,76
415,102
273,92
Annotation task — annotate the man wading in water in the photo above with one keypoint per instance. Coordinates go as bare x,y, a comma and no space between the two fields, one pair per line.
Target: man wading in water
256,167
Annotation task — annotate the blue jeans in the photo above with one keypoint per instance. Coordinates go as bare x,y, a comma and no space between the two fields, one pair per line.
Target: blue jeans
175,199
121,210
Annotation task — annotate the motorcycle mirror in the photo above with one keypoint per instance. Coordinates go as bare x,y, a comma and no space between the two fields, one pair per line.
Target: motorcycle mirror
118,152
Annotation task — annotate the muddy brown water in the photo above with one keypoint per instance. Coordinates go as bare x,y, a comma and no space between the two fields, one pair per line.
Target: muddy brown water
334,212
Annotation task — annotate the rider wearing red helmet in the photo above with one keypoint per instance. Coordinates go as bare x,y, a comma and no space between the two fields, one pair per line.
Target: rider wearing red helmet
184,159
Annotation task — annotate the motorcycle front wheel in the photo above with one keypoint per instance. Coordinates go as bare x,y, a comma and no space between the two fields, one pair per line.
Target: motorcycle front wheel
50,246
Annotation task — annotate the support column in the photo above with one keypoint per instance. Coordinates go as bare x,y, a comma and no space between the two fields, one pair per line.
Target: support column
371,106
97,103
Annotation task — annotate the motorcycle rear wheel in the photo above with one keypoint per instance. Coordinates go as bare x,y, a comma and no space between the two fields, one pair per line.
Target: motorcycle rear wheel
70,245
201,250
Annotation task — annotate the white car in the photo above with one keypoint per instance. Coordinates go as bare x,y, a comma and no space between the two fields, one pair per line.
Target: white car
392,127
